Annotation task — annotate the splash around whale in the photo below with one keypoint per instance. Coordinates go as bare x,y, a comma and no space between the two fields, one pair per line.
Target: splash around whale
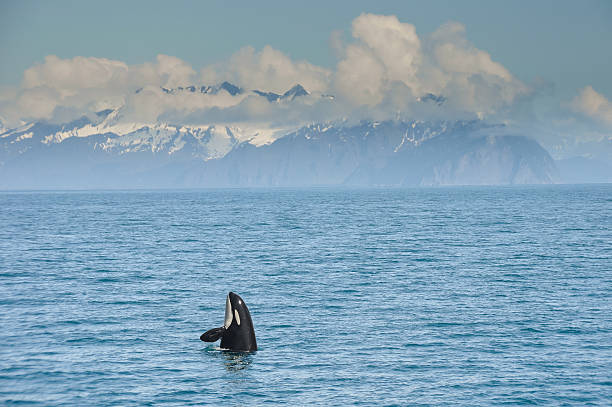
237,333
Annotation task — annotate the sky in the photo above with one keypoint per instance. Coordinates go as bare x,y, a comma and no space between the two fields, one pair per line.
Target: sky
564,41
520,61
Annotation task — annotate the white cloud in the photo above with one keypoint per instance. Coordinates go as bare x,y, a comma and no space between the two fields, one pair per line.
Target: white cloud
38,102
149,104
382,71
76,84
592,104
387,52
454,54
466,75
395,44
82,85
361,76
71,75
167,71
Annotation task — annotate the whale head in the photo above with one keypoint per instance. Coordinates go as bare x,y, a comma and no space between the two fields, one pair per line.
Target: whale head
237,333
236,312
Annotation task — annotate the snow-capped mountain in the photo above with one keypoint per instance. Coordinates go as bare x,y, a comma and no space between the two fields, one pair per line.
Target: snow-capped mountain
205,141
296,91
391,153
210,90
290,95
105,150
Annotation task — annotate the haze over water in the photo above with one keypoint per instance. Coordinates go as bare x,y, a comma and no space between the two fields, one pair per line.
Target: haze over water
469,296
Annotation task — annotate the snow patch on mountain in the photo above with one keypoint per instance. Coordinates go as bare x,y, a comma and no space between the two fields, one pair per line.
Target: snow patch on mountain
18,130
110,124
23,137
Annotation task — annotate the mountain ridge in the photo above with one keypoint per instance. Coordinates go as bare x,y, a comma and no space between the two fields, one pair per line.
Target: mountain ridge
384,154
105,150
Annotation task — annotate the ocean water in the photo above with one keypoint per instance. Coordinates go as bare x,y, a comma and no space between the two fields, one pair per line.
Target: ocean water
435,296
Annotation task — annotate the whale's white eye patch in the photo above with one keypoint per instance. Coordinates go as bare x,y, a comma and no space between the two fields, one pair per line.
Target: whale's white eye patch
237,317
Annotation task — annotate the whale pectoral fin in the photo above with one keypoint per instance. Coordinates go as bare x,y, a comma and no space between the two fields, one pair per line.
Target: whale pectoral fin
212,335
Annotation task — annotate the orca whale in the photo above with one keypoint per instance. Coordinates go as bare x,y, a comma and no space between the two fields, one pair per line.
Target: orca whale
237,333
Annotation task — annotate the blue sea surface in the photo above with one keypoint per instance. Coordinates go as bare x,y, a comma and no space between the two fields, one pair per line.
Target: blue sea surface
433,296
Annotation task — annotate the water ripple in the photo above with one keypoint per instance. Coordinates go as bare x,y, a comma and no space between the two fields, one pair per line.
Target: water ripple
462,296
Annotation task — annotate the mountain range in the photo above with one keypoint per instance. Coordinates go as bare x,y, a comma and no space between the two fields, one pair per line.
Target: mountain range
106,151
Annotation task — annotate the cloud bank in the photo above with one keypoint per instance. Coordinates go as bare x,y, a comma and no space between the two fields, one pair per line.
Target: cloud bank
594,105
389,64
386,69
